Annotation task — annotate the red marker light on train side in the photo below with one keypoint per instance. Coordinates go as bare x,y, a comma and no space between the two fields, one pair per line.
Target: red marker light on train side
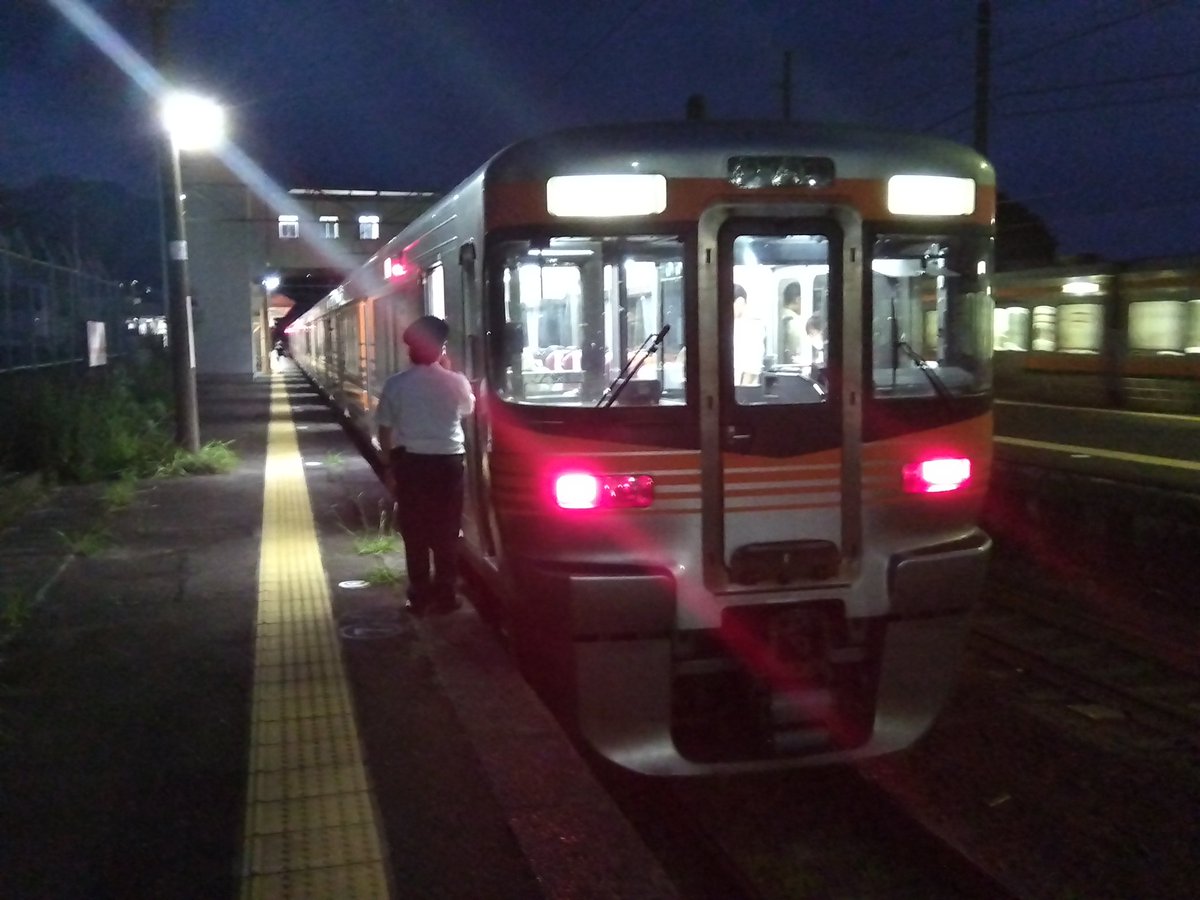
935,476
583,490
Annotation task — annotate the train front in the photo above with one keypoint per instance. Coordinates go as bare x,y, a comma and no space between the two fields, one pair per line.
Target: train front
738,435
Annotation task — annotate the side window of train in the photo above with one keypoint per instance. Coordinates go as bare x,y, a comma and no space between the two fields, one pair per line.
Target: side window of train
931,316
1011,328
1162,326
590,321
779,323
435,291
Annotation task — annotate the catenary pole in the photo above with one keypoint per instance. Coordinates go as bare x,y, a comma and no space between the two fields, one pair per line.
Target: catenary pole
983,73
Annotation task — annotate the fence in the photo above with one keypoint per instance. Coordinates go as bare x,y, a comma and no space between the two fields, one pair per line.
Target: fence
52,308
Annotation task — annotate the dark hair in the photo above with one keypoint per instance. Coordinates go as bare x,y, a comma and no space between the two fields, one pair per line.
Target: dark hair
739,291
425,338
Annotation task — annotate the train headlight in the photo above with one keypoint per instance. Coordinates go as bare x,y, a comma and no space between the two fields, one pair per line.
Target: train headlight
606,195
930,195
583,490
935,476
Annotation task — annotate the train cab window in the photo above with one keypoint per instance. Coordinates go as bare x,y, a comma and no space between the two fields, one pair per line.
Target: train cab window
931,315
780,319
591,321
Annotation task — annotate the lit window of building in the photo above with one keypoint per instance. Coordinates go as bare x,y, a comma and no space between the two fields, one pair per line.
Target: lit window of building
329,226
289,227
368,228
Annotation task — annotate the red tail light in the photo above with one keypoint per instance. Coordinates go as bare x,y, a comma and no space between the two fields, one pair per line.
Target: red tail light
934,476
583,490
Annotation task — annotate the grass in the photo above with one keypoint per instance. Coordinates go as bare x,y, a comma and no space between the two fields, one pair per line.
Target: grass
119,495
15,610
78,428
87,543
377,540
214,458
383,575
17,494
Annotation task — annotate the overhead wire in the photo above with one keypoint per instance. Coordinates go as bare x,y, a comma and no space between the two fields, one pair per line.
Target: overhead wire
1057,43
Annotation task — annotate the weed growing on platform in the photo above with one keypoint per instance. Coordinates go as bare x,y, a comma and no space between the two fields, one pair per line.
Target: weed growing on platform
17,495
214,458
368,540
120,494
383,575
87,543
15,610
334,462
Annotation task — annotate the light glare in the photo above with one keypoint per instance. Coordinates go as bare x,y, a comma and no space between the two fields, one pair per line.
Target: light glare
930,195
194,123
577,490
603,196
935,476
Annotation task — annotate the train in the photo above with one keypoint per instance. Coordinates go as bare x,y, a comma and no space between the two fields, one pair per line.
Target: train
1108,335
708,569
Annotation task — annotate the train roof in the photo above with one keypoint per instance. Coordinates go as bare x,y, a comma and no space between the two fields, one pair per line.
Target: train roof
702,150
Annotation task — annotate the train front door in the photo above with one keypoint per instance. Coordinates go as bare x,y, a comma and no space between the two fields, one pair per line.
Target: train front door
774,441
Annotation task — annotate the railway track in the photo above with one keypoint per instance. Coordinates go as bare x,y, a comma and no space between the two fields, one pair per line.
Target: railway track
793,834
1114,674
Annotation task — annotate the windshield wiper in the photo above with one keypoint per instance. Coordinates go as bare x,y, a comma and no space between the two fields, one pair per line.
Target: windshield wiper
935,379
648,348
898,343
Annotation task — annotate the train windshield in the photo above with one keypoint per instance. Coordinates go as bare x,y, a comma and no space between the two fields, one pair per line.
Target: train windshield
592,321
931,315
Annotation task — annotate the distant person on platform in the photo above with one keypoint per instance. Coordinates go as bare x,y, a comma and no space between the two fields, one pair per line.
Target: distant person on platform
419,421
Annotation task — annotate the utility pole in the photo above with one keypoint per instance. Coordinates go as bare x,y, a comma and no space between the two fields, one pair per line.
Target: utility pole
983,73
179,313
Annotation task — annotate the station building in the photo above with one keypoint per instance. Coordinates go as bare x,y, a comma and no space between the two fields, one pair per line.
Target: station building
257,251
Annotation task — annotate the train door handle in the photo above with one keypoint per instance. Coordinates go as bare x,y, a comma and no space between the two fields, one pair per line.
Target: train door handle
737,438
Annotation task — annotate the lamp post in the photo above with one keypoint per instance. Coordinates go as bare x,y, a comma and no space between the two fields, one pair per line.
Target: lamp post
191,123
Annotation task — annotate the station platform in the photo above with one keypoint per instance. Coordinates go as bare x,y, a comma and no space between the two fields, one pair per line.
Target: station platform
213,693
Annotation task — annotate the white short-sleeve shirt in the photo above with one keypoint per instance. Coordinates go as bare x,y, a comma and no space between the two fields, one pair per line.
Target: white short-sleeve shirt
424,406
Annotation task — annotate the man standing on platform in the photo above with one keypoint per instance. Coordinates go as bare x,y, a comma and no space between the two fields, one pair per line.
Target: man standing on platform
419,421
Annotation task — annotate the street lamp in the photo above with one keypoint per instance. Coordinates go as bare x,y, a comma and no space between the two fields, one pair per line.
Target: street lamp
192,123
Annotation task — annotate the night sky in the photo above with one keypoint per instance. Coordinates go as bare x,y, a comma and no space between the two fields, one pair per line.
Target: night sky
1095,103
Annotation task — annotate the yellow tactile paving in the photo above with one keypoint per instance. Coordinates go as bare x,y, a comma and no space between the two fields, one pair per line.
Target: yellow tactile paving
310,824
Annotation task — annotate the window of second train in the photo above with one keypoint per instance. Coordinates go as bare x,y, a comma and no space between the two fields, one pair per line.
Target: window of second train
931,315
592,321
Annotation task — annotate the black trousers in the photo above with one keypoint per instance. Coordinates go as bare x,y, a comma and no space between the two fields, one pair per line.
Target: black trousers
429,502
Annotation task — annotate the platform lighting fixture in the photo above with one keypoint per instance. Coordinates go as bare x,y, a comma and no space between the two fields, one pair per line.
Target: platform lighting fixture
195,123
930,195
606,196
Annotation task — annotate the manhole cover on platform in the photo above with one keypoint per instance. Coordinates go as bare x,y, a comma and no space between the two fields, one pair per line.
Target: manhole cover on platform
370,631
